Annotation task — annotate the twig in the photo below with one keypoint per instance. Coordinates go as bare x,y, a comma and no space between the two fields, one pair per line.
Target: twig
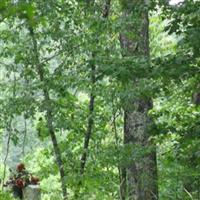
188,193
44,60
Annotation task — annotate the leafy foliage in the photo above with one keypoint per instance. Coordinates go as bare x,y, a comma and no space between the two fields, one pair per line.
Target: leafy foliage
71,36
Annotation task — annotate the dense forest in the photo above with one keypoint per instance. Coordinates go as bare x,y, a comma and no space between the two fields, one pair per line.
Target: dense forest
99,99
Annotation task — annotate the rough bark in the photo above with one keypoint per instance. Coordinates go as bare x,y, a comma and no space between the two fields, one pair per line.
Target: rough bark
122,183
49,114
141,172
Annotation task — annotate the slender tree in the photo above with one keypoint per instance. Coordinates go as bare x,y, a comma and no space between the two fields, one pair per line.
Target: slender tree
91,103
49,114
90,124
141,171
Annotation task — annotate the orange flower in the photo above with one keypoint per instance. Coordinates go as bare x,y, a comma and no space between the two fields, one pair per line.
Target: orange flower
34,180
19,183
20,167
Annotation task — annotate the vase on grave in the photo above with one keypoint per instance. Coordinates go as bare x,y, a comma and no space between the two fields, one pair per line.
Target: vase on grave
32,192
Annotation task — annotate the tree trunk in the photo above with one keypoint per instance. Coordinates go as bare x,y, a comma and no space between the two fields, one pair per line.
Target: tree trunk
91,104
141,171
90,123
49,115
122,183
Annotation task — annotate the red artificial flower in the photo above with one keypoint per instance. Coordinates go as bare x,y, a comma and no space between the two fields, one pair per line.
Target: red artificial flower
19,183
20,167
34,180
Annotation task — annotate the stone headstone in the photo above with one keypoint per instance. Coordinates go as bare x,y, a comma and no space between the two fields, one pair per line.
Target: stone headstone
32,192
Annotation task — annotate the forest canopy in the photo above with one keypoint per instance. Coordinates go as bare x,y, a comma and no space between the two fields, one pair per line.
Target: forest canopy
99,99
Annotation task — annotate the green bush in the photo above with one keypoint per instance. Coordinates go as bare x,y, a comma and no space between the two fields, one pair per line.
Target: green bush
5,195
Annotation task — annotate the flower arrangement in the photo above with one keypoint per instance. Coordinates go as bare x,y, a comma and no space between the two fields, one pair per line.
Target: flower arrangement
19,179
